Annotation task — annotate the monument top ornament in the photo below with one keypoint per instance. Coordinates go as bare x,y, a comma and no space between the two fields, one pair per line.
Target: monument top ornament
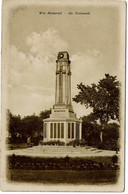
62,56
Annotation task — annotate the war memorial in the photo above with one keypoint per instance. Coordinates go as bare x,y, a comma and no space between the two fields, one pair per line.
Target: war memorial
62,124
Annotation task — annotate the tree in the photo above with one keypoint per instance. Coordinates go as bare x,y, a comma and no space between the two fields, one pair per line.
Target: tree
14,125
19,129
90,130
45,114
111,136
103,98
32,126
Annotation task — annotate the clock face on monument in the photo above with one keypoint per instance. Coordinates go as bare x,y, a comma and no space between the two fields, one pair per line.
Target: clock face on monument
61,55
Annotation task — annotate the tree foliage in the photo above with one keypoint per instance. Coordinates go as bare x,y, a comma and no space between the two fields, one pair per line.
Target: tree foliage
21,128
32,125
45,114
91,130
14,124
91,133
103,98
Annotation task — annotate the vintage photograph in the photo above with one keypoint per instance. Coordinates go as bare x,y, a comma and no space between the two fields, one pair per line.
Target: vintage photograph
63,95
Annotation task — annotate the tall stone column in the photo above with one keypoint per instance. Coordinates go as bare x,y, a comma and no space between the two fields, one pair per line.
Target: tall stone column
69,100
60,86
57,130
48,131
56,91
53,130
75,130
66,88
64,92
57,88
80,131
70,130
63,79
65,132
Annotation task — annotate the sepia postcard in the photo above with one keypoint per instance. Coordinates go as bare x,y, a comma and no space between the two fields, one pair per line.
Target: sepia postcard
63,95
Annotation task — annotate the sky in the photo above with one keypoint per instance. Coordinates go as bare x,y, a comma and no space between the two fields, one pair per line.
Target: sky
93,42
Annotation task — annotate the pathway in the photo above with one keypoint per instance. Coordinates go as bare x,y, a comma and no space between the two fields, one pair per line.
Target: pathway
61,151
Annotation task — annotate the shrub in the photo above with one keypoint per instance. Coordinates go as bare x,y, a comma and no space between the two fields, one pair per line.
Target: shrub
101,145
67,163
67,158
55,142
77,142
83,142
115,159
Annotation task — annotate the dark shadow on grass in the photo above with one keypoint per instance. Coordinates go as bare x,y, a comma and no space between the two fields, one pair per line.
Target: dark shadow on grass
64,176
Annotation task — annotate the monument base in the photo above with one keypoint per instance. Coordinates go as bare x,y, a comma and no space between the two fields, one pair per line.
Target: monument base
62,125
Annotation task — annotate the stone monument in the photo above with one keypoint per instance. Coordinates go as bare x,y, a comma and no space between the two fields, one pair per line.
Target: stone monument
62,124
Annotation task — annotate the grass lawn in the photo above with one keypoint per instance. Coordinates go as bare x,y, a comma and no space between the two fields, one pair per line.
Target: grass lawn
93,170
64,176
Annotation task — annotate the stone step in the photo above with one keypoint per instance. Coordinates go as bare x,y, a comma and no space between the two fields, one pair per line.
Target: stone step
58,151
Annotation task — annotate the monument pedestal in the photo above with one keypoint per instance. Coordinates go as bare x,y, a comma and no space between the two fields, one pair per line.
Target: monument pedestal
62,125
